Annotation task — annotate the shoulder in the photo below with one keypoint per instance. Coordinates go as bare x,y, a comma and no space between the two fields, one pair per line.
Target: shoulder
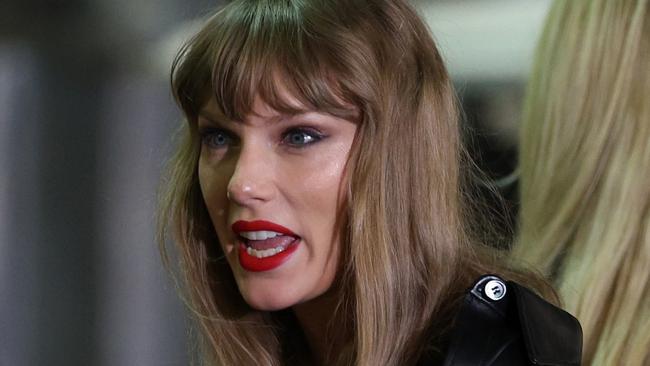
503,323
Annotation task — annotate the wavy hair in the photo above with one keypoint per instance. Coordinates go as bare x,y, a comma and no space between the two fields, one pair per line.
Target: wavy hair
585,172
406,257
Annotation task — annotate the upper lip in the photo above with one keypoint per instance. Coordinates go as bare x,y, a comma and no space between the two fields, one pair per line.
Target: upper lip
260,225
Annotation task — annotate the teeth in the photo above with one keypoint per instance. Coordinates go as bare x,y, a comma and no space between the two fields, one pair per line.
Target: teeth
259,235
264,253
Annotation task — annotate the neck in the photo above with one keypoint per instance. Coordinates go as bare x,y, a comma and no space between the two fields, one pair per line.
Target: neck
316,320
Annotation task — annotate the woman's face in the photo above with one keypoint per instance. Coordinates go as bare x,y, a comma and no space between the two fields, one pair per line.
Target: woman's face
272,187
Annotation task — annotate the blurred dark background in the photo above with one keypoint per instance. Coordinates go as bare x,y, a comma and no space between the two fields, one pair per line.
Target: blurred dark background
86,118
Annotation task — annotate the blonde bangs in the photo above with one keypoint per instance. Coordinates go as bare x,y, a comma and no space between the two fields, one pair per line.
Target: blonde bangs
271,53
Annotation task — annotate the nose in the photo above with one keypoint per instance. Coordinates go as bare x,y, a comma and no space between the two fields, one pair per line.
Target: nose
252,180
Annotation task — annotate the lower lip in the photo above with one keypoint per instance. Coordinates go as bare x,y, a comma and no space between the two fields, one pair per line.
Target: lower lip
254,264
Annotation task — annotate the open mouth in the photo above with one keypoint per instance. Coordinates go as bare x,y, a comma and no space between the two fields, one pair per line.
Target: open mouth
264,245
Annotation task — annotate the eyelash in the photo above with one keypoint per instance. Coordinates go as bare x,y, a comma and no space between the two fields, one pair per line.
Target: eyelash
210,134
311,133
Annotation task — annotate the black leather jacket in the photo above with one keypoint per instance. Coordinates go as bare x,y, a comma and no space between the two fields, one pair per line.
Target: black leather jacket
503,323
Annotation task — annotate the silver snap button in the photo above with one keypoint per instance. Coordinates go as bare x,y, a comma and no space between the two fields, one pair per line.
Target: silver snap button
495,290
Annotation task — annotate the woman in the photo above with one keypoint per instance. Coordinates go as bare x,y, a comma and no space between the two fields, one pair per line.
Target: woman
316,198
585,176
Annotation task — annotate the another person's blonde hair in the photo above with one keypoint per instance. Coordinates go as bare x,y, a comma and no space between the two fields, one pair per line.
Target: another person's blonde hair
406,258
585,172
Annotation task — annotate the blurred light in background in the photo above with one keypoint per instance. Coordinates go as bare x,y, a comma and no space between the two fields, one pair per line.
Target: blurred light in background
85,123
488,40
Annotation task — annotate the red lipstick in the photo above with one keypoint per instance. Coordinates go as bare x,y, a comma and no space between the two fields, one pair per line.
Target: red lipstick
253,263
258,225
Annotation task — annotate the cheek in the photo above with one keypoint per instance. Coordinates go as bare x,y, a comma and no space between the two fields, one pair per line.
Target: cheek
214,183
323,186
327,179
316,190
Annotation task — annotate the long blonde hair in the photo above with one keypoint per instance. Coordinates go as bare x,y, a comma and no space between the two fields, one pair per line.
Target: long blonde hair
585,172
405,257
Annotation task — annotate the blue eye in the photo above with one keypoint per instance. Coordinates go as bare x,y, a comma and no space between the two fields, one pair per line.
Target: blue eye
300,137
216,138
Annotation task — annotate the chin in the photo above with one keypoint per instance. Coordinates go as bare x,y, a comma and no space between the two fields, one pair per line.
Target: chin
268,298
291,284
